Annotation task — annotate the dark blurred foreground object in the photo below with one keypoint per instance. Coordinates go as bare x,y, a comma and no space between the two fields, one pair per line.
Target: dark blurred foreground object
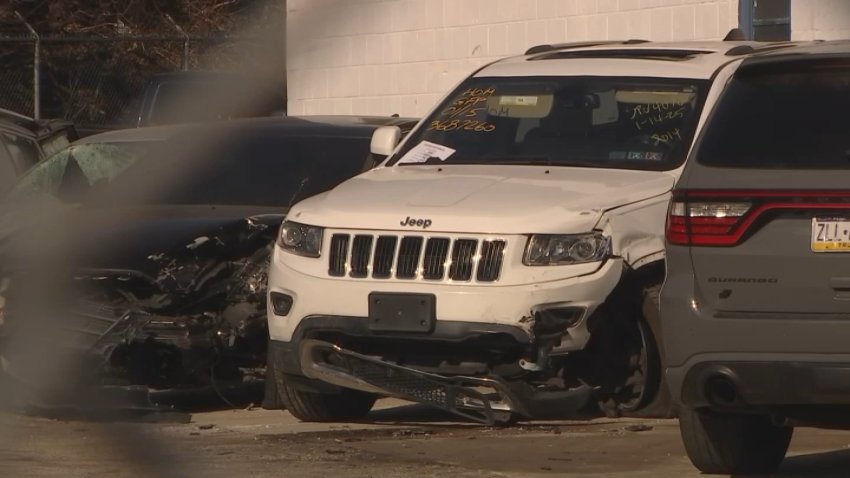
202,96
184,96
149,268
25,141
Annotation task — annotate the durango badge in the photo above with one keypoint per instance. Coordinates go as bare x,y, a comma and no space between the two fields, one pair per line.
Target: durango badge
410,222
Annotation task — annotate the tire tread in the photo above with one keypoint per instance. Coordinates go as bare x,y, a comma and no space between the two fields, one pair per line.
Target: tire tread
732,444
322,407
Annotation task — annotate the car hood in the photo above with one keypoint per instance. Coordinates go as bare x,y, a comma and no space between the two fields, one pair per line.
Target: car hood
480,198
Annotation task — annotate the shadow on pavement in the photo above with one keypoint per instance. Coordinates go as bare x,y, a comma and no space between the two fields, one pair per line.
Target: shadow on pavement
830,464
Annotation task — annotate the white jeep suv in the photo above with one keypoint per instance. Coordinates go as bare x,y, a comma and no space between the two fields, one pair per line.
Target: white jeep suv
505,260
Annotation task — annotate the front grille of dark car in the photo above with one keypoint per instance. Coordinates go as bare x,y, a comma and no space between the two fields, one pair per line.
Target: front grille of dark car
415,257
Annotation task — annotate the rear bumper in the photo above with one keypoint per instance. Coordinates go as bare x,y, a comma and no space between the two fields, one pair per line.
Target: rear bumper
761,382
769,359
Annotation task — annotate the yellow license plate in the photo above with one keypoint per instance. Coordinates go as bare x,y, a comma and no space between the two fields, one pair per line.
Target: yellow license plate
830,234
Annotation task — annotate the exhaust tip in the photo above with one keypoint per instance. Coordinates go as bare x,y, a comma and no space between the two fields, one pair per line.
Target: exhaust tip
720,390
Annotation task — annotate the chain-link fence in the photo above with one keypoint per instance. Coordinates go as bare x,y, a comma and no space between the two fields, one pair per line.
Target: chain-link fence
98,81
17,59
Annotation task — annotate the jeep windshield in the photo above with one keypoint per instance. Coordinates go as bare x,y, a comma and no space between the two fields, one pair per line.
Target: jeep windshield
598,122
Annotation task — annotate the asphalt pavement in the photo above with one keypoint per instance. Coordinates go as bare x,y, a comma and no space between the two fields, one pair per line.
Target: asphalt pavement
397,440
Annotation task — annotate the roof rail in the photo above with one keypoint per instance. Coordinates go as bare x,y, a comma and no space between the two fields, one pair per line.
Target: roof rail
747,49
581,44
735,34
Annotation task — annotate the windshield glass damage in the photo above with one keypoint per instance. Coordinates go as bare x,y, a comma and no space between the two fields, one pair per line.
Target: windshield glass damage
600,122
69,174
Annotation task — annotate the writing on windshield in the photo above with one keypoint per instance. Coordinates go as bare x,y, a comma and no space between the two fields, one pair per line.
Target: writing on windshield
468,112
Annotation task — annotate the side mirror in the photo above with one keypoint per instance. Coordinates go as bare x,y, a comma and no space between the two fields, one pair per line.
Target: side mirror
385,139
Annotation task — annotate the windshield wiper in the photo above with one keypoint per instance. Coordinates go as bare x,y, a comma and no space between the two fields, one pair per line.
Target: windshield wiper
540,161
514,160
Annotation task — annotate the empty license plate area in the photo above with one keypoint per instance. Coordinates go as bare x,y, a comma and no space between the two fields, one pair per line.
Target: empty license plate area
390,312
830,234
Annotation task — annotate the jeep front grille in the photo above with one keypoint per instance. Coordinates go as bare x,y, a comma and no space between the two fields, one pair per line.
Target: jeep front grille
408,257
463,254
339,250
415,257
360,249
491,261
382,265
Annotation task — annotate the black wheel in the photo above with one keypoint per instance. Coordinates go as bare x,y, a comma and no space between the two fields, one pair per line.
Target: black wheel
271,397
637,386
733,444
323,407
656,402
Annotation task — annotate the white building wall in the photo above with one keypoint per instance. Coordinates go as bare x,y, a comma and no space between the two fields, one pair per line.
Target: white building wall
401,56
820,19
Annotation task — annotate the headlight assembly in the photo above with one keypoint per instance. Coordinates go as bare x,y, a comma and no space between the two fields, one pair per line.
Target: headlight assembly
300,239
564,249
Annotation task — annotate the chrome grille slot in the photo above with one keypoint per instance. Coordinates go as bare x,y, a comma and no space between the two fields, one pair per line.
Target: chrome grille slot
463,253
408,257
361,251
339,255
490,262
382,263
434,259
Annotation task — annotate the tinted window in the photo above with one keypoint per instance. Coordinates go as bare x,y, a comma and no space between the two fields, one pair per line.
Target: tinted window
600,122
264,170
778,117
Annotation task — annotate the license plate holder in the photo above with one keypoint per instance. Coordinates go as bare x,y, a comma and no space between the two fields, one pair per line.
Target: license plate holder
401,312
830,234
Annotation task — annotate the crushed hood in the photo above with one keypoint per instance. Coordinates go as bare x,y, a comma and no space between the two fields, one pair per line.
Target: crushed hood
481,198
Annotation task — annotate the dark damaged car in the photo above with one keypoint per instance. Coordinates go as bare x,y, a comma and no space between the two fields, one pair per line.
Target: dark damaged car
165,235
25,141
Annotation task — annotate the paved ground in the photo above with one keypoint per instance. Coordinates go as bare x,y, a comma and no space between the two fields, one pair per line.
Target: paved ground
398,440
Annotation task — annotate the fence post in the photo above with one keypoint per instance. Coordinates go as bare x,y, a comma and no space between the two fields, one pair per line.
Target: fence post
36,71
180,30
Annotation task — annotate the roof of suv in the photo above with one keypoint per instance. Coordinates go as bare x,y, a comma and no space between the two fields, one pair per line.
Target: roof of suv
821,49
695,59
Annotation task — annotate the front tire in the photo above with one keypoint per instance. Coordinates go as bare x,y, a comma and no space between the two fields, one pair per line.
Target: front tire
324,407
733,444
631,354
657,402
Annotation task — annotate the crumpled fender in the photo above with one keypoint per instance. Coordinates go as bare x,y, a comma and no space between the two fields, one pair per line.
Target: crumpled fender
637,230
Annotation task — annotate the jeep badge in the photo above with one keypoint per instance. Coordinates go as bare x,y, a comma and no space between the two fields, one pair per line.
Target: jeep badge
410,222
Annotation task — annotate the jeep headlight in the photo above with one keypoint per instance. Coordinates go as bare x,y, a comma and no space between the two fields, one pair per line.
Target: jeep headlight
563,249
300,239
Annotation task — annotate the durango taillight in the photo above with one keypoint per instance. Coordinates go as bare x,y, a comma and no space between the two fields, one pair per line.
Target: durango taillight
724,217
705,223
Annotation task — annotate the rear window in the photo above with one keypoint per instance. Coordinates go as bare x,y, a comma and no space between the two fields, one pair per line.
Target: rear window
793,116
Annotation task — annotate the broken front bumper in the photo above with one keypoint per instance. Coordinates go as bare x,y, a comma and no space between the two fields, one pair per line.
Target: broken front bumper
487,400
